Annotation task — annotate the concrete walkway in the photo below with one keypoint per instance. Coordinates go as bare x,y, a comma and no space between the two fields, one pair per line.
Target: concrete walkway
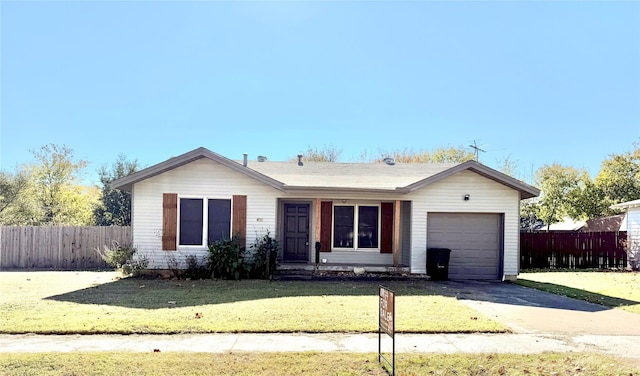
336,342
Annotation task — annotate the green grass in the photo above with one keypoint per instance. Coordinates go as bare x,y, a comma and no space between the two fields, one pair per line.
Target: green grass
309,364
94,302
612,289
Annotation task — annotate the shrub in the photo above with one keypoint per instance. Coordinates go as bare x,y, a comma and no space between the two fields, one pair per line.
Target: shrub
227,259
264,256
173,265
195,269
123,258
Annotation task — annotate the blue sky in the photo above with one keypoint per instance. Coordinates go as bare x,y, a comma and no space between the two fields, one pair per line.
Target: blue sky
538,82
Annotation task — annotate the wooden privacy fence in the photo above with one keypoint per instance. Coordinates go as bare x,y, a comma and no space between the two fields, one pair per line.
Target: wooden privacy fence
57,248
573,250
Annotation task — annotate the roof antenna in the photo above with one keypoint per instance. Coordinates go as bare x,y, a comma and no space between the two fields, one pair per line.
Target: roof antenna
476,149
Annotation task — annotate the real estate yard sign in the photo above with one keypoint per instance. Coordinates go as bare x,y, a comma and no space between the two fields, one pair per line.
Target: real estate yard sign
386,323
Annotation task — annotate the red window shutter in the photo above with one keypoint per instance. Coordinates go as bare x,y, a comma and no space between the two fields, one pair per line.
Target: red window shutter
239,226
325,225
169,221
386,232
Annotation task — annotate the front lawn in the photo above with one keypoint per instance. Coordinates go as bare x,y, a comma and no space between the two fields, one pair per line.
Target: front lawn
98,302
612,289
311,364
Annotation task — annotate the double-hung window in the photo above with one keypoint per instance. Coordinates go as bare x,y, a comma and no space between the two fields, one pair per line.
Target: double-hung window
203,221
356,226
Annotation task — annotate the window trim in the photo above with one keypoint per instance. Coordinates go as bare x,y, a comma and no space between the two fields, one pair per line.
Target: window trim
179,222
205,220
356,245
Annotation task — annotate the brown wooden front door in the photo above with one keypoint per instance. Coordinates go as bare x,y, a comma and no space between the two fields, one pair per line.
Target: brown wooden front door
296,233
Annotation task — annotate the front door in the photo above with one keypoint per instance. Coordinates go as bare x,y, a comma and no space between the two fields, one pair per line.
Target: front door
296,233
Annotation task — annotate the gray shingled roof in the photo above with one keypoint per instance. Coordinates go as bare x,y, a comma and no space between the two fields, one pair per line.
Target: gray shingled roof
364,177
348,175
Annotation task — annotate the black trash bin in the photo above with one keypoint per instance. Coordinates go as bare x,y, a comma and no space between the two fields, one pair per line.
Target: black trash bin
438,263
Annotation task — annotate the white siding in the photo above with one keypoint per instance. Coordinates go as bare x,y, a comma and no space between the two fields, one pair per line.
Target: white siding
633,223
486,196
633,234
201,178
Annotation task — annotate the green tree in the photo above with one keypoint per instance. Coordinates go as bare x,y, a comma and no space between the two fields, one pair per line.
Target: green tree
114,208
559,185
437,155
17,206
61,199
587,201
618,181
328,153
619,178
529,220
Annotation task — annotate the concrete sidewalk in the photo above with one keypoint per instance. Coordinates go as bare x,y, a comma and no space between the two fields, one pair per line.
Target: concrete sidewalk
338,342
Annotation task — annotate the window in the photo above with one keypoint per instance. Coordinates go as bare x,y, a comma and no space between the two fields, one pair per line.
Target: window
343,226
219,220
367,227
191,221
196,221
363,218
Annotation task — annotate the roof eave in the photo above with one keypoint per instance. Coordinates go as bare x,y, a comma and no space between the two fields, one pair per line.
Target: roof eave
626,205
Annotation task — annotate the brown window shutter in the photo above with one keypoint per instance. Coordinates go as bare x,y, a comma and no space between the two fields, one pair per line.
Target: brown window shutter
169,221
325,225
386,232
239,226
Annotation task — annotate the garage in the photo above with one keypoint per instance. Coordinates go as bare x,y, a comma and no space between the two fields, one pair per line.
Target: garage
475,240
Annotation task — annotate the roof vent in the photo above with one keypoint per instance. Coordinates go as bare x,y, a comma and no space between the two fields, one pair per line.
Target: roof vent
261,158
244,159
300,160
389,161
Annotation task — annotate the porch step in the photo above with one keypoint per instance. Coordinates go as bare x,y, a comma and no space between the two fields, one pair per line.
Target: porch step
345,268
293,275
342,272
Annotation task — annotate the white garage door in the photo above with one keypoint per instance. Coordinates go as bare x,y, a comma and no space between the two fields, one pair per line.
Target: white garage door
475,241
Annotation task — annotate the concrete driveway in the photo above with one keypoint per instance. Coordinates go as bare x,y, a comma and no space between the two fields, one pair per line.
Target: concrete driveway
527,310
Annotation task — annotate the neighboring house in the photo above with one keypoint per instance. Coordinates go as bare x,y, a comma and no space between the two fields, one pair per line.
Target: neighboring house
382,215
567,224
602,224
633,230
616,222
